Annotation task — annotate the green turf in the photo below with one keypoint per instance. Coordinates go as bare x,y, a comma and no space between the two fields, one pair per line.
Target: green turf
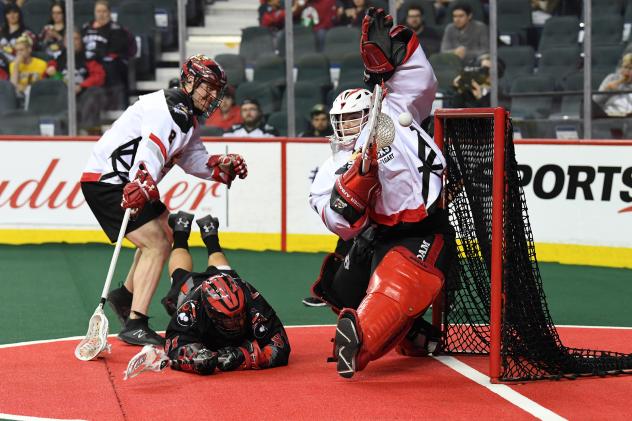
50,291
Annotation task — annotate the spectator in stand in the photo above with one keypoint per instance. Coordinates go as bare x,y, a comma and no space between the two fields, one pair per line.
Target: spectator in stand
465,37
228,114
541,10
272,14
52,35
350,12
89,78
25,69
319,123
113,46
473,85
429,38
253,122
321,16
617,105
12,28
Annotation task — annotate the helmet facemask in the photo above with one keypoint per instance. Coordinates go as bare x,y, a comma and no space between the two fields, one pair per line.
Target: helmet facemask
202,72
224,303
347,128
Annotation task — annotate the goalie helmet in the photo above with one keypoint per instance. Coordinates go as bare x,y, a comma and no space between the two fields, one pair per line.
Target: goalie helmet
225,304
204,69
347,130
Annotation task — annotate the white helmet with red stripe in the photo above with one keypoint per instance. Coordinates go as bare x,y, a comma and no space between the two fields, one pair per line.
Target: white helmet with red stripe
349,114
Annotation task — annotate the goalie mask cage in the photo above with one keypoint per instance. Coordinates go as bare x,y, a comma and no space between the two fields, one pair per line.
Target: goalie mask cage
493,301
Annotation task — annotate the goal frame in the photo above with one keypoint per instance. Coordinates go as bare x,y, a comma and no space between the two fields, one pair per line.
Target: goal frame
500,116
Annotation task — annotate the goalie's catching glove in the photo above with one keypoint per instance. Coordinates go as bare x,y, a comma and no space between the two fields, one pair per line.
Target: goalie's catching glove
353,191
383,47
226,167
139,191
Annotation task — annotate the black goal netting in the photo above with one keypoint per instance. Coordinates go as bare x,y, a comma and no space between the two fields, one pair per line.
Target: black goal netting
530,346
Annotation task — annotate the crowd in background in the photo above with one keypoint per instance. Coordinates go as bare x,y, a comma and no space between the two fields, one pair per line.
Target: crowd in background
103,49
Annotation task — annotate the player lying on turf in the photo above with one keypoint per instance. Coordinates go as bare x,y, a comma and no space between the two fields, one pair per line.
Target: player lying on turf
218,320
403,242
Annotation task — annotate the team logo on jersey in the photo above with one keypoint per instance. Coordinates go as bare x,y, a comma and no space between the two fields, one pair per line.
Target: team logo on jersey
187,314
385,154
182,109
259,328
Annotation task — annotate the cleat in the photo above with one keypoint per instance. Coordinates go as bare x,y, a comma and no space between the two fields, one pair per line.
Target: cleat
120,300
181,221
313,302
347,344
208,225
138,332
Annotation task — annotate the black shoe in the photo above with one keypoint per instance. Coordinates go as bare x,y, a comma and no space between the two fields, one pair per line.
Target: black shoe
138,332
313,302
347,344
181,221
208,225
120,300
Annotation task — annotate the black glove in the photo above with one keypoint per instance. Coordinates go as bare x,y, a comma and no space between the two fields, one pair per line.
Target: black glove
195,358
230,358
383,48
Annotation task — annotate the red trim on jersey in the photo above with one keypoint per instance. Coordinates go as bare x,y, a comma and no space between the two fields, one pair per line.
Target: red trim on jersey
90,177
435,249
158,142
406,215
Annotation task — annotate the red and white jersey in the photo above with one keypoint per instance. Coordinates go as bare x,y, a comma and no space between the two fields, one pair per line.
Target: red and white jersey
410,170
159,130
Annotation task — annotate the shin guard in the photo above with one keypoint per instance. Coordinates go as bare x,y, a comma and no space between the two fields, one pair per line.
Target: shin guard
401,288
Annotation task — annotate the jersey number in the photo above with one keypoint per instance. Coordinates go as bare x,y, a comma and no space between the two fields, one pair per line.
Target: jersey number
427,163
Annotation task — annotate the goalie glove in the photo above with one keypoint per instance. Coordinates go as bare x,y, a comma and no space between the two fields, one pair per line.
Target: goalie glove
138,192
224,168
353,191
383,48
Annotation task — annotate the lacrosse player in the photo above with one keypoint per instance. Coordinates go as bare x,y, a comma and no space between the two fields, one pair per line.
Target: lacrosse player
218,320
127,163
402,240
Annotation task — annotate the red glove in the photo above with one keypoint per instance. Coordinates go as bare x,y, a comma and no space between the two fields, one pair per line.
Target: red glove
352,192
226,167
141,190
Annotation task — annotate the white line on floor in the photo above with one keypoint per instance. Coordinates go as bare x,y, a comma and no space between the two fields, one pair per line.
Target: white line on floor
27,418
501,390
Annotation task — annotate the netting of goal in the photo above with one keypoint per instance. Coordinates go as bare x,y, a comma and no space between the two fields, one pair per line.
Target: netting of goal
493,302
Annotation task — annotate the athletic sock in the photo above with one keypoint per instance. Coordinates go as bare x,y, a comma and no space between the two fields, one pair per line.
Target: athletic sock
212,244
180,240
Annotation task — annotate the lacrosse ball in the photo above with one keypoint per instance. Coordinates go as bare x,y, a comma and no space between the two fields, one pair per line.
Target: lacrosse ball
405,119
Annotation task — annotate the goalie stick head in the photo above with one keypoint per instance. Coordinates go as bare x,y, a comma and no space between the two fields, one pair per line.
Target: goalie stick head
349,114
225,304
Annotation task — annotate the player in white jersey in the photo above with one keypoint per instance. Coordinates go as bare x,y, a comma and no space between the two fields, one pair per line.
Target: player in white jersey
402,241
148,139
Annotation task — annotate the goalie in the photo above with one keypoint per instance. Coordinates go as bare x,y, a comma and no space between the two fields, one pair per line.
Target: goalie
218,320
402,241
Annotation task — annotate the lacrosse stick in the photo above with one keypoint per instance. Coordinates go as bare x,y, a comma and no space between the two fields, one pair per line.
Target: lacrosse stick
150,358
381,128
96,340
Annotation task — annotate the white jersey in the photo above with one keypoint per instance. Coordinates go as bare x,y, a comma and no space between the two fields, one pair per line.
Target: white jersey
262,130
410,170
159,130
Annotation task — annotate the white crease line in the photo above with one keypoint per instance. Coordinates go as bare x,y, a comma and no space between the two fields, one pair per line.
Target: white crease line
27,418
501,390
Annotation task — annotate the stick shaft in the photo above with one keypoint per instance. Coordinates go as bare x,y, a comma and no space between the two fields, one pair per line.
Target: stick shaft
375,111
117,250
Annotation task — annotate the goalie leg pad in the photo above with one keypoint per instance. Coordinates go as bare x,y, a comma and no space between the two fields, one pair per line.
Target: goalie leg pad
401,288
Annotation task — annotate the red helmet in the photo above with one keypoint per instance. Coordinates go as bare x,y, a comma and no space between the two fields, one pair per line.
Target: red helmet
225,304
205,69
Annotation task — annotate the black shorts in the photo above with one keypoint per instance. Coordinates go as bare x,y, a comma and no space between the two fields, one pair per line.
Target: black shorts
105,202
